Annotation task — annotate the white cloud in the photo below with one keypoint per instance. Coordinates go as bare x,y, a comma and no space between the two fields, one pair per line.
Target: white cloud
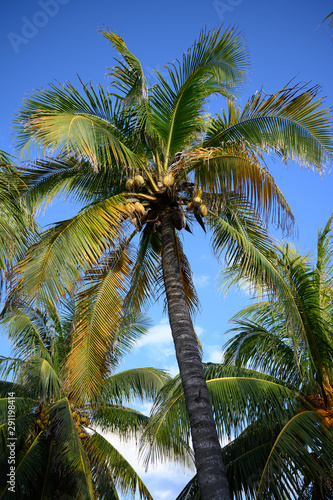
212,354
164,480
198,330
157,334
202,280
160,335
172,369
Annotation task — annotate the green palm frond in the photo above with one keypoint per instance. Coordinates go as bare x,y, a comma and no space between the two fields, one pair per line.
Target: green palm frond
26,472
42,377
245,458
128,76
97,323
306,447
121,420
191,490
125,477
130,329
167,435
85,124
16,222
141,383
260,341
146,271
325,261
238,230
290,122
71,447
27,330
215,64
231,169
71,178
46,270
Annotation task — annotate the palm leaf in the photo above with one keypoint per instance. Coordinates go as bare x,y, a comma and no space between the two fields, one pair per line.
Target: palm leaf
289,122
215,64
125,477
61,119
53,264
96,328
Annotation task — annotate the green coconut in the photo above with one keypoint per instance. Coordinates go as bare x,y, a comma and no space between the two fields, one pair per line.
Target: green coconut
139,208
197,201
168,180
129,185
203,211
139,181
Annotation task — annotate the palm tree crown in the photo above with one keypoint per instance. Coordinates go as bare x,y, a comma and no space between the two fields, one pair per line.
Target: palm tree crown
135,158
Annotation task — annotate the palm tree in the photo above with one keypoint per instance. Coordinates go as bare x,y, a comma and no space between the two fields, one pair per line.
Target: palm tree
134,158
274,392
60,451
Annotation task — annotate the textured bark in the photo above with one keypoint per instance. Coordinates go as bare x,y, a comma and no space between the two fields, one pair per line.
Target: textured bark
208,456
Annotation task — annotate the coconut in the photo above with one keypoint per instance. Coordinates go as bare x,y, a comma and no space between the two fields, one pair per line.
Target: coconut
139,208
197,201
203,211
323,413
139,181
168,180
38,422
189,206
326,422
83,435
129,185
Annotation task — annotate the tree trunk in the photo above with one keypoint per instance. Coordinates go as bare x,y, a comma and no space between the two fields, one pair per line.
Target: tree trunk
207,450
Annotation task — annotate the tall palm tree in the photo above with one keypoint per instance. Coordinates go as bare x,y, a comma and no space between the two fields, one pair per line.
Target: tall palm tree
60,451
135,157
274,392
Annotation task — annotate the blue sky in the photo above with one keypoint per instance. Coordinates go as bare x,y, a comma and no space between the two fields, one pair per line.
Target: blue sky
47,40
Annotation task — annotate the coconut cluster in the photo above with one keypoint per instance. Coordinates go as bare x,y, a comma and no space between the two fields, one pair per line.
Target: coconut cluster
81,420
326,414
136,183
197,205
42,418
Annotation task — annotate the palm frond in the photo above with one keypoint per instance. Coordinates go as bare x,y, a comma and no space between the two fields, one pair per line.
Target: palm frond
97,322
69,177
231,169
84,124
125,477
214,64
141,383
291,122
53,263
306,446
128,77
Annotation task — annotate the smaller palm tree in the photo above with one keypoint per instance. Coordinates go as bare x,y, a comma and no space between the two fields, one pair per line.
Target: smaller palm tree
60,448
273,396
